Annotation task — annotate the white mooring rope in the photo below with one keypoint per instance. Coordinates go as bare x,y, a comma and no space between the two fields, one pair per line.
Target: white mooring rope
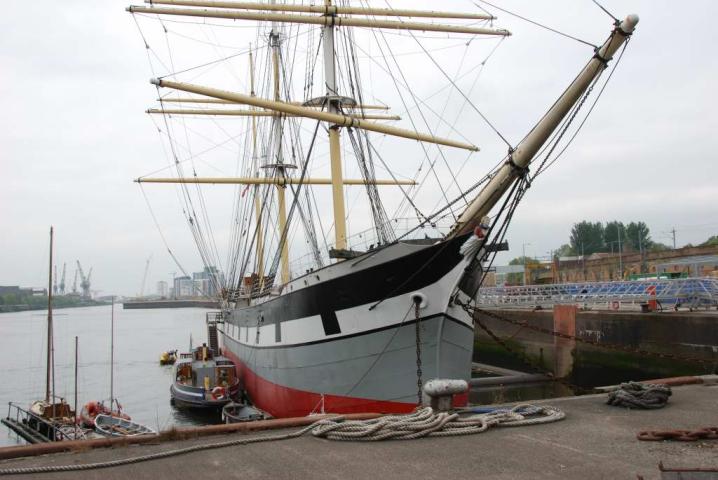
427,423
422,423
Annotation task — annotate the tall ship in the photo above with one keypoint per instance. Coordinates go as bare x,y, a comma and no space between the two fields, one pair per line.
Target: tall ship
370,315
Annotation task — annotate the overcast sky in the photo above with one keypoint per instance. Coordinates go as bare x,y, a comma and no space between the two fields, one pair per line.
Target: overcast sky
74,135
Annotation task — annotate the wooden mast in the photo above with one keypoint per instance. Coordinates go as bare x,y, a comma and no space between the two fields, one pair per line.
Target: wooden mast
519,159
229,102
270,181
330,19
257,189
277,128
327,9
253,113
335,154
335,118
50,347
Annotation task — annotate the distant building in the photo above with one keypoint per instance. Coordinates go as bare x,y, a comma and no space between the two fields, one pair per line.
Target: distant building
207,281
183,287
162,289
15,290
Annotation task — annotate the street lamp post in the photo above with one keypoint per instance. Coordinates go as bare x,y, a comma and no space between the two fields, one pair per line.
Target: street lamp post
523,252
620,253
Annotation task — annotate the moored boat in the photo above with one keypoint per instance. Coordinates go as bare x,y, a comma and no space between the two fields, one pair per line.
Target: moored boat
92,409
241,412
204,380
112,426
168,358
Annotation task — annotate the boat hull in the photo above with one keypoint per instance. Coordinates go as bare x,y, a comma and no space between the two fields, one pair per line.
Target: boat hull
375,372
331,347
196,398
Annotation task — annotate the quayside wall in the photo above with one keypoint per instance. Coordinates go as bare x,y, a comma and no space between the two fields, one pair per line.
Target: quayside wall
683,337
139,304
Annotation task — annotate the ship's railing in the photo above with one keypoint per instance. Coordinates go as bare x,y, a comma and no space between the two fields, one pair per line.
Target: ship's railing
48,430
688,292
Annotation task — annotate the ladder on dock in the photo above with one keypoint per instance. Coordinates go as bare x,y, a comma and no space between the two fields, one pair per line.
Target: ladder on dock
213,319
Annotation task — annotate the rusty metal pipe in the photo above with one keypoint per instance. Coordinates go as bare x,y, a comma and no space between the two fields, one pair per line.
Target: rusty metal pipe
170,435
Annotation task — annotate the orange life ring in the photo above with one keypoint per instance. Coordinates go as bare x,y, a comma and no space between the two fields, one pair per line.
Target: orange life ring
92,409
218,393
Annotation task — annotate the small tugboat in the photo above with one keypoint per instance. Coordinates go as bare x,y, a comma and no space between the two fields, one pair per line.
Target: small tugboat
112,426
168,358
204,380
241,412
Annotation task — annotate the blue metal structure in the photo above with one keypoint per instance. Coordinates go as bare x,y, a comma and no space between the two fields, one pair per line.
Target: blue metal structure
686,292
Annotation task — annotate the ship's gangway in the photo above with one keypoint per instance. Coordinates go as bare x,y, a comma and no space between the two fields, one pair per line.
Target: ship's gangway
686,292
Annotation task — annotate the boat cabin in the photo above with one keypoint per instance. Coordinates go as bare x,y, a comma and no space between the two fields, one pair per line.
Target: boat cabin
203,369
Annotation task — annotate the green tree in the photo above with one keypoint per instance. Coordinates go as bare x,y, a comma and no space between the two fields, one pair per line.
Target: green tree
614,233
638,236
711,241
658,247
564,250
587,238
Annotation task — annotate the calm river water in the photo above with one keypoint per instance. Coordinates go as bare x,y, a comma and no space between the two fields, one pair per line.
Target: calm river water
141,384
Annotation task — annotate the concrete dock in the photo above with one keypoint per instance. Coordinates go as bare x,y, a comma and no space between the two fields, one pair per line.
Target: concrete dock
595,441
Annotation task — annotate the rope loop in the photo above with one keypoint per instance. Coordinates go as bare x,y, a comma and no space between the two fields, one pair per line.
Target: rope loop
639,395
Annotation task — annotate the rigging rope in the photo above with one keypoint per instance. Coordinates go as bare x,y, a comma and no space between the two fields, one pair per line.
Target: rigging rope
537,24
607,12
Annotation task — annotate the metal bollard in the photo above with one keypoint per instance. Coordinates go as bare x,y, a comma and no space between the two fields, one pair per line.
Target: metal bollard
439,392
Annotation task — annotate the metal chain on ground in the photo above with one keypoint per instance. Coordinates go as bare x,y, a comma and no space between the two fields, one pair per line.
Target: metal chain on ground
424,422
706,433
419,383
639,395
610,346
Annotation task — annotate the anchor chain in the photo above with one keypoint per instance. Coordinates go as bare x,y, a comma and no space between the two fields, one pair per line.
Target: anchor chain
521,356
707,433
419,383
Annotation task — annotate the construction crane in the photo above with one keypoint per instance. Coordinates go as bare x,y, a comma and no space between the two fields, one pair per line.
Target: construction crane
54,282
74,284
62,279
144,277
84,280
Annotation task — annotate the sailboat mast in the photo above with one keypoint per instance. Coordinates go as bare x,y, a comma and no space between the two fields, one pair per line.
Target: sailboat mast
75,407
519,159
257,189
48,372
112,352
335,153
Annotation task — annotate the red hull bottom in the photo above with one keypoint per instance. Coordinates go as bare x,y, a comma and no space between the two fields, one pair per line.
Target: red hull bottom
281,401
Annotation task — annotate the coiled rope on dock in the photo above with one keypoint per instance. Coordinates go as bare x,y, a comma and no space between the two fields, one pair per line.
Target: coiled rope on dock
639,395
424,422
